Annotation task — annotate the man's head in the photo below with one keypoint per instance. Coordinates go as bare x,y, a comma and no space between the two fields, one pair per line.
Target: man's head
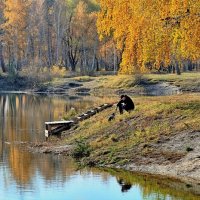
123,97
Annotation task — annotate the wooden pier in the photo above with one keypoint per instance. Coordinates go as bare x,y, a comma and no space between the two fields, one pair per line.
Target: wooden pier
56,127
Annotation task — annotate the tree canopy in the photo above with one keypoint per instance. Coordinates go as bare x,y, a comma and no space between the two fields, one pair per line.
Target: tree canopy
152,33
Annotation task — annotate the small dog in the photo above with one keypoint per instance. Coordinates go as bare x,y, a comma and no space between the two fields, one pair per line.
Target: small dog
111,117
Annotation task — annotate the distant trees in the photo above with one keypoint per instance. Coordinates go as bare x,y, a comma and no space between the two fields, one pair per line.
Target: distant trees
44,33
2,63
154,34
16,16
85,36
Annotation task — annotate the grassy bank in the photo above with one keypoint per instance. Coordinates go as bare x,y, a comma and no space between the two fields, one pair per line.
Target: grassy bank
142,136
187,81
55,82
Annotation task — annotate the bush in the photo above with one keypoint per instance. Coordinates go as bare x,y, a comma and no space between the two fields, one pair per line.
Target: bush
81,149
70,114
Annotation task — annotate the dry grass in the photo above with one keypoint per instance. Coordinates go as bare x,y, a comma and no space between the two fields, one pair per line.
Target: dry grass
118,82
154,117
187,81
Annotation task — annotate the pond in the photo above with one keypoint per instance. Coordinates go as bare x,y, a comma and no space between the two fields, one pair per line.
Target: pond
28,176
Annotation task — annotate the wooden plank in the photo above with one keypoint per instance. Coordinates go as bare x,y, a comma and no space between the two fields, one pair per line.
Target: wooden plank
60,126
60,129
46,133
59,122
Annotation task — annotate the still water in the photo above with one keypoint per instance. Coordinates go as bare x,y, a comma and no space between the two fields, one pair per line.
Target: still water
28,176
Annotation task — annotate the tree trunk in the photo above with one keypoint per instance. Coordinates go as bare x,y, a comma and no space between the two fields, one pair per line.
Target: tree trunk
49,38
178,71
58,35
2,63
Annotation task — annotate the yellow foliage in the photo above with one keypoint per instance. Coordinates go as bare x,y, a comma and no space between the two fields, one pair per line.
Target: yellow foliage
151,32
56,70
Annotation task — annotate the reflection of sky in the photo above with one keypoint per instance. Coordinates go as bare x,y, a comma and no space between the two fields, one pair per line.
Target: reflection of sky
48,180
78,187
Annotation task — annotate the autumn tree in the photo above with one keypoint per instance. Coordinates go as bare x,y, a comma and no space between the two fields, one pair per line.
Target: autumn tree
16,15
2,63
81,38
153,34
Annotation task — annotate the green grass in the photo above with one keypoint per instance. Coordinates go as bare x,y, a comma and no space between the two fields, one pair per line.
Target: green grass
119,82
174,77
154,117
111,83
83,79
187,81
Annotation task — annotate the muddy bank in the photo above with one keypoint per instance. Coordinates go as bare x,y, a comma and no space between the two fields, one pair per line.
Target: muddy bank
49,148
71,86
152,85
176,157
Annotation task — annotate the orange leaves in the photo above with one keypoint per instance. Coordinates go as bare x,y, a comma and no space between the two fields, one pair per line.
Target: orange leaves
154,32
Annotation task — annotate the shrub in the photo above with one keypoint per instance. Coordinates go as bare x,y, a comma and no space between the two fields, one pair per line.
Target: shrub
70,114
81,149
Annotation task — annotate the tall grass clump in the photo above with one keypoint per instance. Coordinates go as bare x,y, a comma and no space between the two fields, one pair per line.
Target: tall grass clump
81,148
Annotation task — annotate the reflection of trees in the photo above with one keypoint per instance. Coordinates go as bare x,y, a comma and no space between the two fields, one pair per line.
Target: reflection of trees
21,165
25,115
47,166
2,124
22,117
105,176
152,187
51,167
87,102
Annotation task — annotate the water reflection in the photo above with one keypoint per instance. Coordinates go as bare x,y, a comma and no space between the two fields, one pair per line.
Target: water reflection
22,116
153,188
22,119
52,177
24,175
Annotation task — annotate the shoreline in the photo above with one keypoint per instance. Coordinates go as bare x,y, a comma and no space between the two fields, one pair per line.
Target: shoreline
171,159
182,171
99,85
187,183
182,184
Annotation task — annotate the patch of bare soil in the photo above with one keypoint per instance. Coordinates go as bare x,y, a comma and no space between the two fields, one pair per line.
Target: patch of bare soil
47,147
177,156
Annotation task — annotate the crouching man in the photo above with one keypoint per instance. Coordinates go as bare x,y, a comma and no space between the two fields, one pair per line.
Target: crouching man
126,104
